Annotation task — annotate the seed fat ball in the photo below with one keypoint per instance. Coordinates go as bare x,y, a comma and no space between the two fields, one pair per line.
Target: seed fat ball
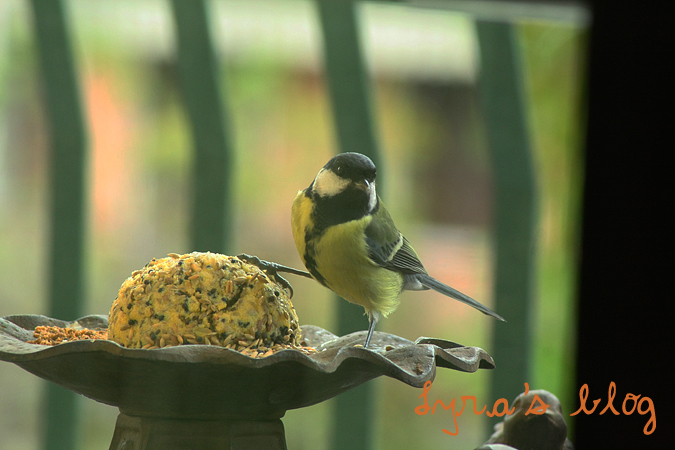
202,298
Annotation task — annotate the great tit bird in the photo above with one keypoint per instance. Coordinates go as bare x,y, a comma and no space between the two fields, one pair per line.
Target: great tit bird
349,243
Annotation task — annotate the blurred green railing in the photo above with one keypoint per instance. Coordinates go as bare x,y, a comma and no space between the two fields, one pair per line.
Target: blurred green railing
514,226
211,136
68,144
349,94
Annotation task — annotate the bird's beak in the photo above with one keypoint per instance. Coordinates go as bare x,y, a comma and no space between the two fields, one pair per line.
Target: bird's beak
363,184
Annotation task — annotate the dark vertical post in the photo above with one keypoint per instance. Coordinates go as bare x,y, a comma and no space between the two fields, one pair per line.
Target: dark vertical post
625,275
515,205
212,162
68,146
348,85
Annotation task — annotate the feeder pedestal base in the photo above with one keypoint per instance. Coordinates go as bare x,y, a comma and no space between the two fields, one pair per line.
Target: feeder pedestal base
150,433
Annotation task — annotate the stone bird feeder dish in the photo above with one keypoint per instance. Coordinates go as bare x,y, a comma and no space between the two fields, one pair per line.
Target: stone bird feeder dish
210,397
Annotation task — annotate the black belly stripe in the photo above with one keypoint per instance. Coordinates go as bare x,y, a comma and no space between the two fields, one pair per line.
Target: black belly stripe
310,262
311,268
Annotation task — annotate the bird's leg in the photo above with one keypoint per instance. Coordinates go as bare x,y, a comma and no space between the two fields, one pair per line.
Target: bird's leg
373,317
272,268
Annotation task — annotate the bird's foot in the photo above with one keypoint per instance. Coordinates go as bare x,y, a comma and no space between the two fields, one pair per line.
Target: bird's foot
273,269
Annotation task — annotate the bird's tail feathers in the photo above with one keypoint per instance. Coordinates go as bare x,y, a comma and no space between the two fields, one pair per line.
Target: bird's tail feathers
444,289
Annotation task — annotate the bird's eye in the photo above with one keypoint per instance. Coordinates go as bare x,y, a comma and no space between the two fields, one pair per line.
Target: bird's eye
338,170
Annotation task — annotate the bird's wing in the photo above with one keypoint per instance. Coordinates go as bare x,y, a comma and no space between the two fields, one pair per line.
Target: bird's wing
406,260
388,248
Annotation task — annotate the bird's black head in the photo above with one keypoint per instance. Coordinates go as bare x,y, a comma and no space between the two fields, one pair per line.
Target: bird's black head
352,166
344,189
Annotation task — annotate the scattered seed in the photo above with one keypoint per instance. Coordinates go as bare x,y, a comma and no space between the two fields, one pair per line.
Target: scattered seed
174,255
201,331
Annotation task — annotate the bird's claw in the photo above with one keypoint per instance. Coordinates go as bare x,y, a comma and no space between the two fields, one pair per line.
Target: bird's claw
273,269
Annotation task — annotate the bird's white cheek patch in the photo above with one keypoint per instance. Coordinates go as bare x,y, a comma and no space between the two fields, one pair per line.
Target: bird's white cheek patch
372,197
327,184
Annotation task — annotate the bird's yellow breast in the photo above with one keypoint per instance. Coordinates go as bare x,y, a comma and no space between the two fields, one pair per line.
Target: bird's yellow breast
340,255
300,221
